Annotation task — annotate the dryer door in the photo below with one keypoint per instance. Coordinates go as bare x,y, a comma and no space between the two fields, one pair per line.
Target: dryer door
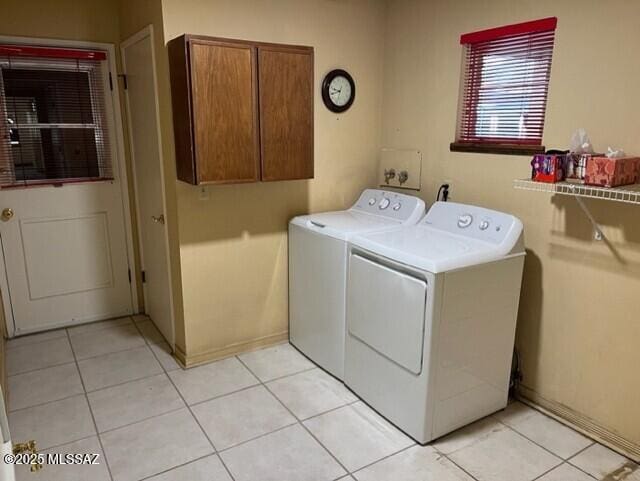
386,311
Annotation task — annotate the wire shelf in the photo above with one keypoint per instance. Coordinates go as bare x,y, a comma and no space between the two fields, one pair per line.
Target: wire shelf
629,194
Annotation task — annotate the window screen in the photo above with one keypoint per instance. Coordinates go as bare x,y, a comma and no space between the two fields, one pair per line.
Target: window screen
53,116
505,83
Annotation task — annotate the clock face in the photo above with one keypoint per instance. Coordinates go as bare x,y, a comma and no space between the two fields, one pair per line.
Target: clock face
340,91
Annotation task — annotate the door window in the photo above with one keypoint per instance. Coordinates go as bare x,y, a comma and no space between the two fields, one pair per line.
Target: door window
52,115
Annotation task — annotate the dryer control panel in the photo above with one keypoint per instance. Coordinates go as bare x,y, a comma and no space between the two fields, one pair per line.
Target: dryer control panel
404,208
476,222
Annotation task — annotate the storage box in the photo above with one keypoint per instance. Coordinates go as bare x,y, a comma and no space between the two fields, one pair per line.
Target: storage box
612,172
576,167
548,168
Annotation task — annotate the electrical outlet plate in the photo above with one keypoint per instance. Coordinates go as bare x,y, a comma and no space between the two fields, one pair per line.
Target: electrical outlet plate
401,160
203,193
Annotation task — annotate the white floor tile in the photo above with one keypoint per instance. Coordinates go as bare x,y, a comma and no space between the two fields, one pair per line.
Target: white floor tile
504,455
118,367
290,454
566,472
84,472
417,463
52,424
357,436
150,331
38,356
134,401
600,462
205,469
211,380
105,341
97,326
34,338
163,353
44,385
514,412
542,430
277,361
153,446
140,317
238,417
310,393
467,435
149,434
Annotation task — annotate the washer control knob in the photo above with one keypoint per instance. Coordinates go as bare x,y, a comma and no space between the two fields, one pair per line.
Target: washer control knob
397,206
484,225
465,220
372,201
384,203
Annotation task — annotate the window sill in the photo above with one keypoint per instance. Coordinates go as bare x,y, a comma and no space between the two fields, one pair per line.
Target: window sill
502,149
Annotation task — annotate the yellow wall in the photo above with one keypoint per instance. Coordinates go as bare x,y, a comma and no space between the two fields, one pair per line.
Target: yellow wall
579,326
233,247
89,20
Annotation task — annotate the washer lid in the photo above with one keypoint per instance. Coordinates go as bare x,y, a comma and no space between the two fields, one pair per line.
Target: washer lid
374,210
344,224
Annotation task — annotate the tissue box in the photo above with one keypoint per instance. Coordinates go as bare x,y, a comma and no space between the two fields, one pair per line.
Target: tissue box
608,172
548,168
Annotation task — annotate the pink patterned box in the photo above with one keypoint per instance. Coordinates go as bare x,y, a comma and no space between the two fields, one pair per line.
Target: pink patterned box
612,172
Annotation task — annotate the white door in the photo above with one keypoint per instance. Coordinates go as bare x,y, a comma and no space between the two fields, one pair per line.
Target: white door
138,63
64,241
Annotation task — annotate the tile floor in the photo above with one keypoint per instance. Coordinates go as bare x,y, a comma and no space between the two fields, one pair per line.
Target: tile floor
112,388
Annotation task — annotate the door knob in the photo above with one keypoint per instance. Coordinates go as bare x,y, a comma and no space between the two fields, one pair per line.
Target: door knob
159,219
29,448
7,213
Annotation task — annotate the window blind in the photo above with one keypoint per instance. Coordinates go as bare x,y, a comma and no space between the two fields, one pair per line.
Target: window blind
53,124
505,84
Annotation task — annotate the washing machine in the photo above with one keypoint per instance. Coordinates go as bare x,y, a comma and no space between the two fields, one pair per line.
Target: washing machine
431,317
318,269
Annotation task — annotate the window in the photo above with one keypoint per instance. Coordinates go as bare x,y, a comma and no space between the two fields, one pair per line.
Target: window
504,88
53,125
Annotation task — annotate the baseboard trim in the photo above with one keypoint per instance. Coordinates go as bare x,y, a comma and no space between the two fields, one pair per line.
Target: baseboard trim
580,423
193,360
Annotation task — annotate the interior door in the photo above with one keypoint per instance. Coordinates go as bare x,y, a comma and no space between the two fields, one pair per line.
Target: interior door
142,114
64,243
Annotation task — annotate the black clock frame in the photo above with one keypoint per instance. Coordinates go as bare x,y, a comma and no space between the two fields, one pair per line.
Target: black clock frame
326,98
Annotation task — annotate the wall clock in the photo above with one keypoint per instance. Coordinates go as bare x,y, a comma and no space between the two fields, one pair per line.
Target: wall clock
338,90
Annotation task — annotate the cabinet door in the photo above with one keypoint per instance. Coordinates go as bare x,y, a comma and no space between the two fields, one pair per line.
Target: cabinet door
224,98
286,112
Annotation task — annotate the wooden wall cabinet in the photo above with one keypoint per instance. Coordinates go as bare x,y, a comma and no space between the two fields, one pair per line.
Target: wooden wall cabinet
242,111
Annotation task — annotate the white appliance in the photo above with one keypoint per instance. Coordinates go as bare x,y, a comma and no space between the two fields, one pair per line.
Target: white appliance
318,269
431,318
